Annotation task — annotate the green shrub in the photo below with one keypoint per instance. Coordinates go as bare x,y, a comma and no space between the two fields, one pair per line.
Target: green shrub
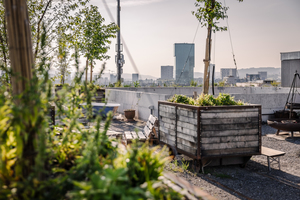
206,100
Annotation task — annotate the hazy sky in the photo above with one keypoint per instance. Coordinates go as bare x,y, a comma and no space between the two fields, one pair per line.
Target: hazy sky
260,30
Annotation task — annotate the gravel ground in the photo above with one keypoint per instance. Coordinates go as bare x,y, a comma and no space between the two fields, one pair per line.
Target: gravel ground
254,181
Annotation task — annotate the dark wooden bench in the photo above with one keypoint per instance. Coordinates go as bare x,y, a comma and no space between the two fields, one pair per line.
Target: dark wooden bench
272,155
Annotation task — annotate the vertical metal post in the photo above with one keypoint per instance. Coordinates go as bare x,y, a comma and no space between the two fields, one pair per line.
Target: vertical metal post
119,43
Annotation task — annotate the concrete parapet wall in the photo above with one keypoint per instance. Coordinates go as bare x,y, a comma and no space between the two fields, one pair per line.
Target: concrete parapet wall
190,90
140,101
271,99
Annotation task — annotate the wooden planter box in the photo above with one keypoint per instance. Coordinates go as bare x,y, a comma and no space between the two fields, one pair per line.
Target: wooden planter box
204,133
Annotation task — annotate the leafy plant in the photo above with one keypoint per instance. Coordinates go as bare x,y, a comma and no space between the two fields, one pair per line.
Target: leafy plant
193,83
179,98
206,100
136,84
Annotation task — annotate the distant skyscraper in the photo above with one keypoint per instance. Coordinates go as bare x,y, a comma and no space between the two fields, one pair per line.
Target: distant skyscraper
167,72
263,75
113,78
225,72
135,77
185,62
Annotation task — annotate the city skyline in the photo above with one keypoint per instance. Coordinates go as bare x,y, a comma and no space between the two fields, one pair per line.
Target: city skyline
260,30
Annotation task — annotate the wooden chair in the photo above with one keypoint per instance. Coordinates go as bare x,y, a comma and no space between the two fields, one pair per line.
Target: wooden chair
148,133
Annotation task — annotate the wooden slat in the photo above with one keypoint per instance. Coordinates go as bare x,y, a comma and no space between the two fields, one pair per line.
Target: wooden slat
147,131
186,148
128,135
186,131
230,110
229,139
141,136
231,145
187,125
229,132
168,115
165,108
271,152
167,136
228,115
185,113
238,120
168,131
187,119
220,127
134,135
187,143
217,152
167,141
150,126
167,120
152,119
187,137
166,125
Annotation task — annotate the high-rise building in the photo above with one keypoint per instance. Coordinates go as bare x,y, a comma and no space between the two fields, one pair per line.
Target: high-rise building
263,75
113,78
167,72
226,72
290,63
135,77
184,63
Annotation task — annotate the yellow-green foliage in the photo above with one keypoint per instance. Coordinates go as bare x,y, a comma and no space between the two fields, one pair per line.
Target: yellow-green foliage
206,100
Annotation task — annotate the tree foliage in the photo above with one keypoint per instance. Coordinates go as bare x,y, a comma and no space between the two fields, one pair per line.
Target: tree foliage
209,12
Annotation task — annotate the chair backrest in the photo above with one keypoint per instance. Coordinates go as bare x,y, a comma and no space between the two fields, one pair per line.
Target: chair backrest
148,129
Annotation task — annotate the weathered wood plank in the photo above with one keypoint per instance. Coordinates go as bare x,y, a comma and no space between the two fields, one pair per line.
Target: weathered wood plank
167,136
186,148
228,115
141,136
238,120
150,126
187,113
168,115
166,108
220,127
128,135
187,125
152,119
134,135
166,130
147,131
229,132
187,119
166,125
229,139
187,137
217,152
230,110
187,143
167,120
186,131
167,141
231,145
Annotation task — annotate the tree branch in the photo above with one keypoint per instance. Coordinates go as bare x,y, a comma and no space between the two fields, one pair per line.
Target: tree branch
38,30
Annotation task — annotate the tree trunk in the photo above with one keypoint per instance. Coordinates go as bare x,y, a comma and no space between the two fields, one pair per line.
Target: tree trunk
20,45
86,69
21,58
207,62
207,53
91,75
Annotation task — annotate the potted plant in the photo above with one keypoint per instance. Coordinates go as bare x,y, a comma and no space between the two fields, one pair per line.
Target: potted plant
129,114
